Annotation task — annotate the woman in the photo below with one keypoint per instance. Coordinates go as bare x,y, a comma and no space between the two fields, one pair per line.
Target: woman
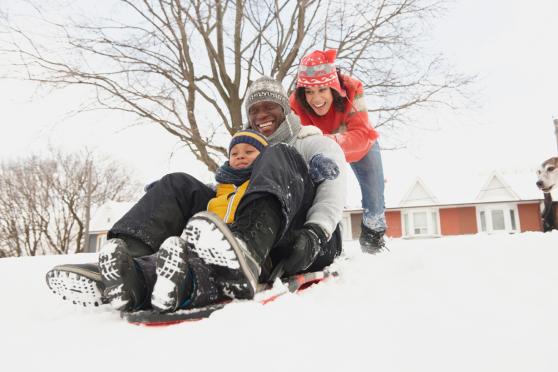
335,103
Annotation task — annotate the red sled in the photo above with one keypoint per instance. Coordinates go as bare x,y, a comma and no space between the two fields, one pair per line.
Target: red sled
291,284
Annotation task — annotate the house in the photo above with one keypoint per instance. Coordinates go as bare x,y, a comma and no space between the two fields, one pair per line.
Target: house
102,220
441,205
425,206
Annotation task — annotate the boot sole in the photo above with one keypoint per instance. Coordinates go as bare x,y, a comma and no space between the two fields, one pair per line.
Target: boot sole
76,285
110,260
222,250
171,269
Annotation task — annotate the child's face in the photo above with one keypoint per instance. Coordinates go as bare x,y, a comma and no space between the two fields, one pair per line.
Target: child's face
242,155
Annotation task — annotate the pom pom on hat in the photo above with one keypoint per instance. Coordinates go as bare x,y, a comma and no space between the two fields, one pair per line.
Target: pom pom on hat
318,69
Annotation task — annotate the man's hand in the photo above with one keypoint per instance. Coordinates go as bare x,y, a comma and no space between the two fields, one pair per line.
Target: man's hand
322,168
308,242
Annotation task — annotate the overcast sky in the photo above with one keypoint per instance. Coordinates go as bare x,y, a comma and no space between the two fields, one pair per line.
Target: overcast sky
510,45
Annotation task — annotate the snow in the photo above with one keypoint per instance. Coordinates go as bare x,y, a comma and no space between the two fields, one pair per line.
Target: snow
465,303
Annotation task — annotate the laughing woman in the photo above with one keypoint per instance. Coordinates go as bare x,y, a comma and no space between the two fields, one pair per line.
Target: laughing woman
335,103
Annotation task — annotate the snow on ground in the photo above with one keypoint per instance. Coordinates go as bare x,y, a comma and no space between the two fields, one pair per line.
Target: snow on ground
467,303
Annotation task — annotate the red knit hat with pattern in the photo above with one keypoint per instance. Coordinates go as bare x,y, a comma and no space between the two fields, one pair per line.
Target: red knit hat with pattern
317,69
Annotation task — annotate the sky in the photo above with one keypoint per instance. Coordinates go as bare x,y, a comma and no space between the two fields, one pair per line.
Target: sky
510,46
480,303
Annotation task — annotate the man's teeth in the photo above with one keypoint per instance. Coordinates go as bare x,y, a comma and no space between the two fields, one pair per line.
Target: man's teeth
265,125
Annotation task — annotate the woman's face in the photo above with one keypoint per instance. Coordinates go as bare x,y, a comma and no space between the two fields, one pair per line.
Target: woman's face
319,99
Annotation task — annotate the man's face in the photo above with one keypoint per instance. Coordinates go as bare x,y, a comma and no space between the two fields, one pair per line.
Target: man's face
266,117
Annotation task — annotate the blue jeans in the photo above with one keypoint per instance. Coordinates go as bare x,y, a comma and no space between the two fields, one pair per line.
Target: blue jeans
370,175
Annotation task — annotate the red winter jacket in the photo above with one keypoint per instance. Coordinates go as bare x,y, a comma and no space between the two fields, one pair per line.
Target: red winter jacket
350,129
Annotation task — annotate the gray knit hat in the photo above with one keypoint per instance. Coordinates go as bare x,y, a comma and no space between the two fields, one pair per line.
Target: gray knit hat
268,90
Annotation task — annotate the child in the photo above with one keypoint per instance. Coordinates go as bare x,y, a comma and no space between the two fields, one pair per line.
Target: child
131,270
233,176
180,279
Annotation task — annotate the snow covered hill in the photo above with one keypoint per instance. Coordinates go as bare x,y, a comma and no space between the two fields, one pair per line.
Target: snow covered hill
469,303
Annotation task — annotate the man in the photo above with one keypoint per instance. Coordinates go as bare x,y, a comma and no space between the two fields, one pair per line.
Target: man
287,217
302,237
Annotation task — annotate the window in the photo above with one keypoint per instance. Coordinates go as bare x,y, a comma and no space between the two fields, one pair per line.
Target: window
483,220
101,239
434,216
512,219
405,224
420,222
497,218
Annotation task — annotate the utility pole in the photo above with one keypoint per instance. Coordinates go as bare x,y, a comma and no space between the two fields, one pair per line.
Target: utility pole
87,206
556,131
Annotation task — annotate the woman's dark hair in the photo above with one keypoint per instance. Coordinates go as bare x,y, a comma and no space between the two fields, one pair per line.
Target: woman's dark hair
339,102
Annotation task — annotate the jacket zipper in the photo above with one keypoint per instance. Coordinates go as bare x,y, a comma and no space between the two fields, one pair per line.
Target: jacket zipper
230,204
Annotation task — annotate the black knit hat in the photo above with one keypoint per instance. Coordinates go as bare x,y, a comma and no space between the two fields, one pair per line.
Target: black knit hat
250,137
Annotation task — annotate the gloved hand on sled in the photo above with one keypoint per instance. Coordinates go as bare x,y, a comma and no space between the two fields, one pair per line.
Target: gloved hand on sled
308,242
322,168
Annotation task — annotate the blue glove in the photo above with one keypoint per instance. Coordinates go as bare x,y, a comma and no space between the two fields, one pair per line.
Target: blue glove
322,168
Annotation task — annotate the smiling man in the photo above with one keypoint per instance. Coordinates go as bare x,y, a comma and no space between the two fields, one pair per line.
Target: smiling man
168,252
269,112
287,218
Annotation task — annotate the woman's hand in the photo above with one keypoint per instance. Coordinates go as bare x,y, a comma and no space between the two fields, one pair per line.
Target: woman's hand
309,130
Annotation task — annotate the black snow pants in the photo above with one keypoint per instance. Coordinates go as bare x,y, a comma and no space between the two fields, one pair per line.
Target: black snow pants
168,205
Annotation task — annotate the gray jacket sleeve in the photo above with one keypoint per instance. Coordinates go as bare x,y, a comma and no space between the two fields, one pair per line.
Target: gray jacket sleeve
327,209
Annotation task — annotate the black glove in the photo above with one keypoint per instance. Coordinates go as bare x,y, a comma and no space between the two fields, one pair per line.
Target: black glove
308,242
322,168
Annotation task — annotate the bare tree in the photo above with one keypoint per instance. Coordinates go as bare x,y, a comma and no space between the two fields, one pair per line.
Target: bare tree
43,200
185,65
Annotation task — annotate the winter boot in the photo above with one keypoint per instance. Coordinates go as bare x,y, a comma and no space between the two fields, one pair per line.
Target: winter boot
79,284
183,280
173,285
236,255
371,241
205,284
232,262
125,286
